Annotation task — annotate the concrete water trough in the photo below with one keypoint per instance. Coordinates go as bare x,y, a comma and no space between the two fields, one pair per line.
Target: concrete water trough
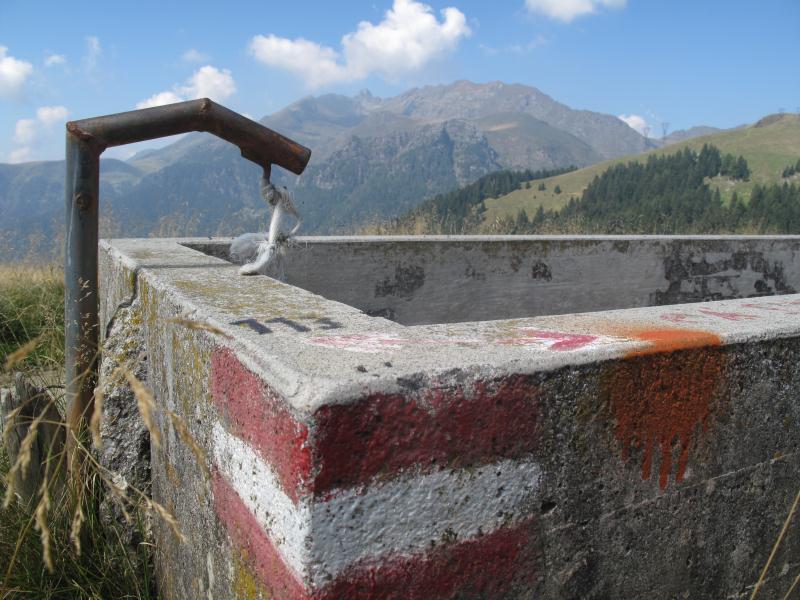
468,417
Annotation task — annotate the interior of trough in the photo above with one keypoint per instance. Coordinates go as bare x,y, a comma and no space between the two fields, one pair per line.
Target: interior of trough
420,280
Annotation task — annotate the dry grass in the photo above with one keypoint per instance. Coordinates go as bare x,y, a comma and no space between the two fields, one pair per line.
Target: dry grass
32,308
58,547
41,555
762,577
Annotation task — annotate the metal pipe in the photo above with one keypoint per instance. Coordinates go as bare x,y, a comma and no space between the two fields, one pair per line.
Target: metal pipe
256,142
86,141
80,275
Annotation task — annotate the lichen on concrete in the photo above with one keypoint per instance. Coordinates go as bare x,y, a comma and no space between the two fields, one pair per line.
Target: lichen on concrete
125,450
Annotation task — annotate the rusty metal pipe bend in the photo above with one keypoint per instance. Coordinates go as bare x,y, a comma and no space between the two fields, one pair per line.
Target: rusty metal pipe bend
86,141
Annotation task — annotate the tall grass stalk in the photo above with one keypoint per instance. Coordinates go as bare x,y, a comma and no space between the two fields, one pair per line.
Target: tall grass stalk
57,547
32,308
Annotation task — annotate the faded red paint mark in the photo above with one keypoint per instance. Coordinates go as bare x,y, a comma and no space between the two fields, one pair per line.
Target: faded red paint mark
775,306
379,342
257,415
728,316
384,434
678,317
555,340
360,341
248,537
522,336
500,564
662,393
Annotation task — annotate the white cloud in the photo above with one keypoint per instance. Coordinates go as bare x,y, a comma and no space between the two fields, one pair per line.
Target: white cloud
192,55
159,99
13,73
52,115
314,63
52,60
25,132
28,132
526,48
567,10
636,122
206,82
93,53
408,38
210,82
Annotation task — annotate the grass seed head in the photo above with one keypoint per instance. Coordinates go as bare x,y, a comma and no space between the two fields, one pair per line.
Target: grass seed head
146,405
188,439
40,517
21,353
198,325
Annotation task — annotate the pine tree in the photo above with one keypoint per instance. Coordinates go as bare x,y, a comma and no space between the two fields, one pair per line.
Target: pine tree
741,170
538,218
709,161
728,164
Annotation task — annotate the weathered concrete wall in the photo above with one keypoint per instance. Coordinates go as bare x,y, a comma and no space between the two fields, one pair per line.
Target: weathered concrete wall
643,453
431,279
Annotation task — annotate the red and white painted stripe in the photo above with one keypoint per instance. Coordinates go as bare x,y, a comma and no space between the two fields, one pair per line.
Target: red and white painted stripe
381,434
382,494
319,540
246,474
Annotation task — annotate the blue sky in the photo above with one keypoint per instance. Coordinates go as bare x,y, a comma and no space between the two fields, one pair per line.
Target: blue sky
685,62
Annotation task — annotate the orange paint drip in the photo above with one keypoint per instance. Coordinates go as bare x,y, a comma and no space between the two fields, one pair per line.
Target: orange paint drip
662,393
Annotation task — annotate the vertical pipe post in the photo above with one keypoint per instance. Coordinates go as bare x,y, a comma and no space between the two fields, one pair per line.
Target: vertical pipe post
81,274
86,140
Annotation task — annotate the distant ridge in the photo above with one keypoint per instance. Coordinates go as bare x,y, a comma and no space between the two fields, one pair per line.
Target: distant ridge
372,158
687,134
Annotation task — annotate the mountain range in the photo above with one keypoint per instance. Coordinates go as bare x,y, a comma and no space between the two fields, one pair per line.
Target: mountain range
687,134
372,158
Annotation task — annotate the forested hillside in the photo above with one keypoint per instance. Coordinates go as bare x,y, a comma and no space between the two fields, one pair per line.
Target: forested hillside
769,146
666,194
670,194
461,211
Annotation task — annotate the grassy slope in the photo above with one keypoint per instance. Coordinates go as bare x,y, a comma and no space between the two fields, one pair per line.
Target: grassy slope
32,307
768,146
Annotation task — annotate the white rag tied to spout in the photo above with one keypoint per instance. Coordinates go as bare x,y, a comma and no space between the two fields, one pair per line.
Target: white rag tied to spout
267,250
